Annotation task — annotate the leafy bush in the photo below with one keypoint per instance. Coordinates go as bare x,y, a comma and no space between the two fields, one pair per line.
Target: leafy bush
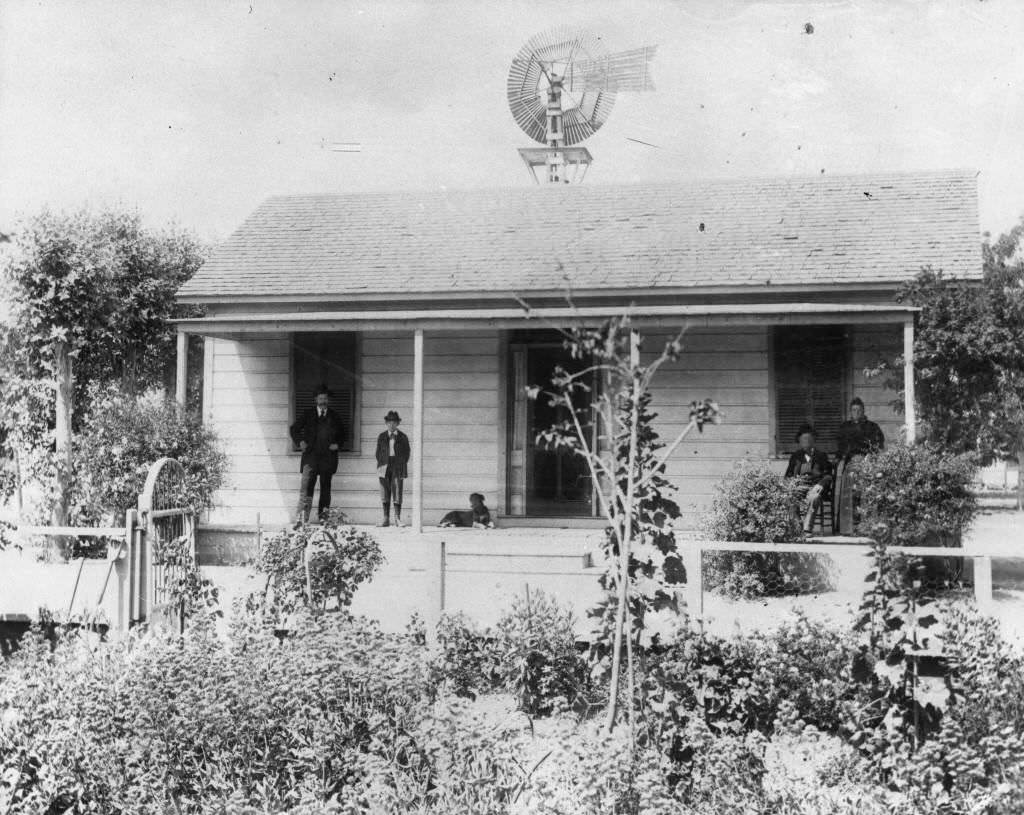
340,559
121,436
531,653
189,592
468,659
593,773
538,660
741,684
980,744
943,746
754,505
188,724
453,760
915,495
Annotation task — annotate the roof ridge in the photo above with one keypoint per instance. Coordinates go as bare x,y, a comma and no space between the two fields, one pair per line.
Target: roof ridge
958,172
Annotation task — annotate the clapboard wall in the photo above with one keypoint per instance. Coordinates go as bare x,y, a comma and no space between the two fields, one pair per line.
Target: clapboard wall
247,401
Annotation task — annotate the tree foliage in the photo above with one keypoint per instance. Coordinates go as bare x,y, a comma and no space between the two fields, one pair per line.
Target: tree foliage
121,436
104,283
969,353
100,285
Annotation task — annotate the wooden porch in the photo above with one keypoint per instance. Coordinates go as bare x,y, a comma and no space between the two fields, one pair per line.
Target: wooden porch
462,418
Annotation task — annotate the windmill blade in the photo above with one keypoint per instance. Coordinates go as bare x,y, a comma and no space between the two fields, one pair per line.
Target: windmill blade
624,71
590,75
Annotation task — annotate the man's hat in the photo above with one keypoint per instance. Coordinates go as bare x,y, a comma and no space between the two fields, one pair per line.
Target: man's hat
393,417
324,390
804,428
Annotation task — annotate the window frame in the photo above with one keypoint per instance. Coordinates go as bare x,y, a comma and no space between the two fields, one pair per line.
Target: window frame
357,400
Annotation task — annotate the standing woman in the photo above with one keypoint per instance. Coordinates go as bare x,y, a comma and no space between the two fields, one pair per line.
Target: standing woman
392,466
858,436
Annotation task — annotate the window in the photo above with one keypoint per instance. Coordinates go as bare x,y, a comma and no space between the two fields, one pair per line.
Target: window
327,358
810,383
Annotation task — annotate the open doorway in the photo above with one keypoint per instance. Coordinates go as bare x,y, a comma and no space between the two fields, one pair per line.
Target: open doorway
543,481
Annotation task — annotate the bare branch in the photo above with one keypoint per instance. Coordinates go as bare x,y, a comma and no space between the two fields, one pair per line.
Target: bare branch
657,468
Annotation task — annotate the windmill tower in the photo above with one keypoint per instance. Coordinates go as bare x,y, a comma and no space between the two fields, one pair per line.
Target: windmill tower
561,88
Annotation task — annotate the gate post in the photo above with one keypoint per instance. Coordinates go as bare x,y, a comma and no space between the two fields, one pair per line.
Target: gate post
124,569
983,583
693,562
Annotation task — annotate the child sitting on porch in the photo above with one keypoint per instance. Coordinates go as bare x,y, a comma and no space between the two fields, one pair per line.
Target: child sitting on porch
392,466
814,470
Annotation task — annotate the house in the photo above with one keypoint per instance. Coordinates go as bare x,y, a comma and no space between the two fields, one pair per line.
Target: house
413,301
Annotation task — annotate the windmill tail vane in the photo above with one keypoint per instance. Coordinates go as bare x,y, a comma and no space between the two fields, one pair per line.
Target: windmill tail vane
628,71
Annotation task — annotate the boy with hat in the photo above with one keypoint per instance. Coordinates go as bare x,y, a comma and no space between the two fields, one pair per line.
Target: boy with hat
392,466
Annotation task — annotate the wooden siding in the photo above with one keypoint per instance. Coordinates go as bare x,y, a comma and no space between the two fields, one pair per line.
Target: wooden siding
464,398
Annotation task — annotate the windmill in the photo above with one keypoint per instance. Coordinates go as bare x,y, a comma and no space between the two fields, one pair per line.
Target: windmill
561,88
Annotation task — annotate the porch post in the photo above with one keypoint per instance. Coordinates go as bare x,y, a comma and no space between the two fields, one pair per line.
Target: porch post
909,410
181,369
417,438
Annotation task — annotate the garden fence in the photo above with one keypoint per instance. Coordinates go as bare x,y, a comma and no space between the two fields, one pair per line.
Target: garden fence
733,585
729,586
143,575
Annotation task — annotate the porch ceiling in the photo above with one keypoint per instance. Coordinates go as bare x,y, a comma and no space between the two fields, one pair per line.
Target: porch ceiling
674,316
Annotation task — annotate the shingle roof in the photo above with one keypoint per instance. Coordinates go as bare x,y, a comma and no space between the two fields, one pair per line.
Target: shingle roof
815,231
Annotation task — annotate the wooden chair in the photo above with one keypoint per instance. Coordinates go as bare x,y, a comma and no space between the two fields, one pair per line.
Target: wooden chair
826,509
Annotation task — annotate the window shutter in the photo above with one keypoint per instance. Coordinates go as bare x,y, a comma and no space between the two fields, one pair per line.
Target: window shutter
326,358
810,374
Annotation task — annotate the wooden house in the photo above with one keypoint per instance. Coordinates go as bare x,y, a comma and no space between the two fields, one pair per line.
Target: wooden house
413,301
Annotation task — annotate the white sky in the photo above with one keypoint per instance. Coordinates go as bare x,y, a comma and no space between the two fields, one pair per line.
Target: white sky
196,111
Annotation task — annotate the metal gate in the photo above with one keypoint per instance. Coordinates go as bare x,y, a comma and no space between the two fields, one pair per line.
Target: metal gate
166,533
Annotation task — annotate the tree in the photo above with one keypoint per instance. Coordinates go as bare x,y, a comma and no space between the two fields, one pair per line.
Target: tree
969,354
628,475
89,298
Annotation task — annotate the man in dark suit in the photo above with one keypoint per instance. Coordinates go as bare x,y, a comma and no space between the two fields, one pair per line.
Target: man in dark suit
319,434
392,466
814,470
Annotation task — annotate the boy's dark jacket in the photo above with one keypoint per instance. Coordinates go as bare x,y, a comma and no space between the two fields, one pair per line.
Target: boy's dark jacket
402,453
319,457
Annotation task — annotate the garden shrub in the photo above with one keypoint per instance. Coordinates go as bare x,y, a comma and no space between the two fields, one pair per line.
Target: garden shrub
917,495
593,773
189,592
949,741
538,660
468,659
531,653
341,558
453,760
121,436
754,504
190,724
966,745
740,684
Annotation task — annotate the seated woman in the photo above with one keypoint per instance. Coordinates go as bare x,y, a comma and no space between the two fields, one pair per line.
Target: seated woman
858,436
813,469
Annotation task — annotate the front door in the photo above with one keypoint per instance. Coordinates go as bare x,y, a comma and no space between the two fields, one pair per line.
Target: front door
544,481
